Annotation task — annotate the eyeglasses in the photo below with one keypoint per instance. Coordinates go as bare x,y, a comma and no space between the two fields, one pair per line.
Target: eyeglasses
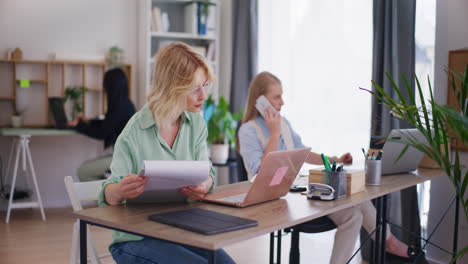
206,88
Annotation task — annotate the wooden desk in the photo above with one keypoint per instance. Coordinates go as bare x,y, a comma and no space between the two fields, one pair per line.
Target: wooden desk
20,149
275,215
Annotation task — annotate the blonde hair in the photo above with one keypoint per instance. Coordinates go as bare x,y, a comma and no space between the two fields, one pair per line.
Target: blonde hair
258,86
173,81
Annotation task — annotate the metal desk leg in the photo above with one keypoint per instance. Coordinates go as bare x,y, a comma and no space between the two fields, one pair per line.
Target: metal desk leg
378,227
13,181
83,240
212,259
272,247
455,227
10,157
278,248
33,175
23,152
384,230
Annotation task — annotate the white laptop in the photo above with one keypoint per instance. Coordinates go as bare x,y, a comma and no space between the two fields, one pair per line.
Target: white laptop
393,147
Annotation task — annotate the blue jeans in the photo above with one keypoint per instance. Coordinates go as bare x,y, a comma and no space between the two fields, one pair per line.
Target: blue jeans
154,251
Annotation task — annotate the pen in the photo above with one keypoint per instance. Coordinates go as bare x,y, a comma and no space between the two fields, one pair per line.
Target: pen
334,166
340,168
364,152
379,156
372,156
327,167
328,162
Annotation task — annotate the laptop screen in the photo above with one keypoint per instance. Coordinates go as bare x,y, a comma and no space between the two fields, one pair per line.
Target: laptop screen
394,145
58,112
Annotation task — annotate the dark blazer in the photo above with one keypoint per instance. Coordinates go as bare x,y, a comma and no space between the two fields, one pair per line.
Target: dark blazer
119,110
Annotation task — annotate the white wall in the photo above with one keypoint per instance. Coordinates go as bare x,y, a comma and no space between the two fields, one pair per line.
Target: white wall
72,29
80,29
451,33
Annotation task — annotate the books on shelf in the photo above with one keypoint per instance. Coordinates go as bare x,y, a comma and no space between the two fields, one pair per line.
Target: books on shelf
200,49
200,18
156,20
211,52
211,21
191,24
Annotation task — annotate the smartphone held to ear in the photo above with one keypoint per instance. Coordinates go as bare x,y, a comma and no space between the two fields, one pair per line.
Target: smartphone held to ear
262,104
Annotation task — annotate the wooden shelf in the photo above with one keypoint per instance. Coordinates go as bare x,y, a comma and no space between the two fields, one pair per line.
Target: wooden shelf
94,89
100,63
34,81
53,82
71,62
181,35
26,61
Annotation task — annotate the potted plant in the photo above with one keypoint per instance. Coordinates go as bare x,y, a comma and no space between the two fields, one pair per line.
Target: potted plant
222,126
115,57
438,124
17,117
75,94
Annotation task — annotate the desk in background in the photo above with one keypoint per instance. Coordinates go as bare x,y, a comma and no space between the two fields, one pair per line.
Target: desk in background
20,150
275,215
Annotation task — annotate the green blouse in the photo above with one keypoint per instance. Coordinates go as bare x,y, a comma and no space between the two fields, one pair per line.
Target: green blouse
140,140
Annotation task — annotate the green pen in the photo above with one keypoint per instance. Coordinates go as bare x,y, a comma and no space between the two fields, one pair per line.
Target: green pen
325,162
328,163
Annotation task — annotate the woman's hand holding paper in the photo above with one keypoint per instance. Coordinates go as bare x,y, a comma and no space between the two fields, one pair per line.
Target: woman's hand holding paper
132,185
197,192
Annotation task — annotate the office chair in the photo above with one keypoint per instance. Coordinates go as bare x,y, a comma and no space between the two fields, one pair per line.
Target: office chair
241,172
95,169
78,192
318,225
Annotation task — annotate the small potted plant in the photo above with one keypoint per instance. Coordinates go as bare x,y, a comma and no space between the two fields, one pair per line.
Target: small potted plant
222,126
17,117
75,94
115,57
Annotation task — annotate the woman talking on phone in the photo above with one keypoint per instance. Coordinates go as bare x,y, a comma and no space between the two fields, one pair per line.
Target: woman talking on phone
261,134
168,127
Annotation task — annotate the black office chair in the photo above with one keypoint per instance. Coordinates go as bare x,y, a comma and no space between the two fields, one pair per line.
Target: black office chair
318,225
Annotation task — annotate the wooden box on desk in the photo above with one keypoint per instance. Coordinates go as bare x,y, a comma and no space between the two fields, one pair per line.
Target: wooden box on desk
356,180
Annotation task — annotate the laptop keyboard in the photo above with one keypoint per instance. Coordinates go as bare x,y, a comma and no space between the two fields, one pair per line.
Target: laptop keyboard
233,198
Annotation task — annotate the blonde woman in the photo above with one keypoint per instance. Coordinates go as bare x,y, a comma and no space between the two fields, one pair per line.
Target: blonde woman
168,127
260,135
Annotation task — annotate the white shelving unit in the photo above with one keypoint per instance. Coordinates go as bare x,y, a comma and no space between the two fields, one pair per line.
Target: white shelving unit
150,42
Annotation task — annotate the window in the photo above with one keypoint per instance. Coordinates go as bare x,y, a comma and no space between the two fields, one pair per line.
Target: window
322,52
424,69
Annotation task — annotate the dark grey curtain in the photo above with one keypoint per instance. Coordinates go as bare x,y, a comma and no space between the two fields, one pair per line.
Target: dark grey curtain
244,54
394,53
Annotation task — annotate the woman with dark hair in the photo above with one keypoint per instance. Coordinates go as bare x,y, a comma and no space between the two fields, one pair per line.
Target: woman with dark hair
119,110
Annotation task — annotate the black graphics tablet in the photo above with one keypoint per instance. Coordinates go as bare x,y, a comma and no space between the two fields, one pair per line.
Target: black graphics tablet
203,221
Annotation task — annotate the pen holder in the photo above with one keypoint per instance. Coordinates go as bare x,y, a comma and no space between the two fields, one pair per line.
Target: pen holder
337,180
373,172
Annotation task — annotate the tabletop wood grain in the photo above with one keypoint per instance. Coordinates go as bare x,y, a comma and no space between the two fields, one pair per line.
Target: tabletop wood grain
287,211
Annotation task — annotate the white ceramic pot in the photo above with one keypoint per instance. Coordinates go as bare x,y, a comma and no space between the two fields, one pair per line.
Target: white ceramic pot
16,121
219,153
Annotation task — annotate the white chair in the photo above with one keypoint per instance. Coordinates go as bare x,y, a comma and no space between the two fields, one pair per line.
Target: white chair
78,192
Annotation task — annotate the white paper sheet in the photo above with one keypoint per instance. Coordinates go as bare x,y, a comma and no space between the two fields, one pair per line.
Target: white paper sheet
166,177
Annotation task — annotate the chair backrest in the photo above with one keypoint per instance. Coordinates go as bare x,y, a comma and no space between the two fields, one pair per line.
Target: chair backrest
82,191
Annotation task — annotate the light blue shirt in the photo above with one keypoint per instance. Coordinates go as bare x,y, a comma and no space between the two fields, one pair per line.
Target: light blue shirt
251,148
